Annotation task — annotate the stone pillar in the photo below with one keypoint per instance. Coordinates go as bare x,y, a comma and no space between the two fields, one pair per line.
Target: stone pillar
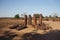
25,20
34,20
59,19
30,20
40,19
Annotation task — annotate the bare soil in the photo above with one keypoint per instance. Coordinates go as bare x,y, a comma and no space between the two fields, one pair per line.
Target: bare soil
29,33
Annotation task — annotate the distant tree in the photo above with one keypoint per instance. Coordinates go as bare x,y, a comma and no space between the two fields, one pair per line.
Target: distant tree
42,16
37,15
50,16
17,16
55,16
46,16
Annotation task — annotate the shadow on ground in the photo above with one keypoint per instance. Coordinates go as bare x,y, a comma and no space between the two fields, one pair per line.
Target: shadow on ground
51,35
8,36
32,36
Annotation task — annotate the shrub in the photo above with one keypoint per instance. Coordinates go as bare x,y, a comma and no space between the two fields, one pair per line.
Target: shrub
17,16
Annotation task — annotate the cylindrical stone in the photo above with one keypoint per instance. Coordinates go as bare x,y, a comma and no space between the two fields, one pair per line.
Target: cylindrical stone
40,19
30,20
34,20
25,20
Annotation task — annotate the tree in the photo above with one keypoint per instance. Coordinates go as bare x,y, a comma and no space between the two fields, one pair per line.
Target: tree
50,16
46,16
17,16
37,15
55,16
42,16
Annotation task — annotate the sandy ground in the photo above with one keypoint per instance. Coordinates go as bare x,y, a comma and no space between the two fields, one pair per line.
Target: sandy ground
54,25
4,26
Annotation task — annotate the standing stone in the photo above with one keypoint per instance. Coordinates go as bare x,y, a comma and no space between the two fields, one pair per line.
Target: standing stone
59,19
40,19
34,20
30,20
25,22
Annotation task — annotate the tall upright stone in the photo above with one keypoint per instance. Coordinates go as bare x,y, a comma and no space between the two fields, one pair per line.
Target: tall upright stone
25,20
34,20
30,20
40,19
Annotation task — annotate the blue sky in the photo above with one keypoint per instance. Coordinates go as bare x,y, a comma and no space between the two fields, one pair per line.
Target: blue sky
8,8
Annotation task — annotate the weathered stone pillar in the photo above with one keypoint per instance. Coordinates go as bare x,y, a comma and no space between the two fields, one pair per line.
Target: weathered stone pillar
59,19
25,20
30,20
34,20
40,19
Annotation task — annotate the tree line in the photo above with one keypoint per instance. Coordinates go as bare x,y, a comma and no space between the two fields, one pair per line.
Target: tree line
37,16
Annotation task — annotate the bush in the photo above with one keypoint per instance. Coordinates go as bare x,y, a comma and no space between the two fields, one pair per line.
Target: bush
50,16
17,16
